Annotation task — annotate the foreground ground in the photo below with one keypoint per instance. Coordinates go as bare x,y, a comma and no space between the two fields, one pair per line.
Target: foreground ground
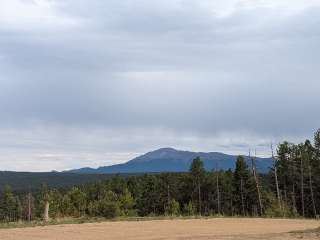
217,229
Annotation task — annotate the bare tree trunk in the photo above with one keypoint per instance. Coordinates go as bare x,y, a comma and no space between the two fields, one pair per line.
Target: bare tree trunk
242,200
285,193
231,205
168,194
302,186
254,171
294,203
199,197
276,179
292,170
29,207
46,211
218,194
312,195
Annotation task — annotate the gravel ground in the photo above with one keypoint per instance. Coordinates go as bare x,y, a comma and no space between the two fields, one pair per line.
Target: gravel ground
195,229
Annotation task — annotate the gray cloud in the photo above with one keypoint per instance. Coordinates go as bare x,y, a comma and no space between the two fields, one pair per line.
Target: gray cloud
206,76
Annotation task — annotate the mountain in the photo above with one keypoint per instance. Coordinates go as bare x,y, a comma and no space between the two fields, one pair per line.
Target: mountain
172,160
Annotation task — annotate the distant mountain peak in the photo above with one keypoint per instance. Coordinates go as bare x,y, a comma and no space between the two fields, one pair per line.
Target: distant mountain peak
156,154
166,149
172,160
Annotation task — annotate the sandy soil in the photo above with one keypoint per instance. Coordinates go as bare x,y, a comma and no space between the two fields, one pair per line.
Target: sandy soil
217,229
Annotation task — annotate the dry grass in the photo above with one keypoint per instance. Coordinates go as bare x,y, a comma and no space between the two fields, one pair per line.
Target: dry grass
195,229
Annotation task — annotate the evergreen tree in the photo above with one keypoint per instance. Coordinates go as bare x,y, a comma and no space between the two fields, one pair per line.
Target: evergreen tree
198,173
244,189
78,201
9,205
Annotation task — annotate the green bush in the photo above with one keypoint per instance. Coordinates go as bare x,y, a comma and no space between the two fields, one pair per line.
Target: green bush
189,209
109,209
104,208
274,211
127,203
173,208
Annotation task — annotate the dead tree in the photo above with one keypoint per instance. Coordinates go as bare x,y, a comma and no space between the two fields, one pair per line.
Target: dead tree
292,170
312,194
46,211
276,178
293,196
46,199
302,184
29,207
218,191
255,175
199,196
242,200
231,203
168,194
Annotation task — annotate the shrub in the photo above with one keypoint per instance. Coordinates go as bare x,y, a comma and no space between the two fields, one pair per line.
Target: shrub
274,211
109,209
173,209
189,209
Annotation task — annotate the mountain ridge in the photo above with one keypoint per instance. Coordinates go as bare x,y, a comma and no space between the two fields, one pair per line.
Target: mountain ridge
172,160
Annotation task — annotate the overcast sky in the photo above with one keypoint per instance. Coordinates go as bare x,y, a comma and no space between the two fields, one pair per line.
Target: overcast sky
93,83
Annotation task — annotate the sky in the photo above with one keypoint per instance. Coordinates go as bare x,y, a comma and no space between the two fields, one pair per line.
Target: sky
95,83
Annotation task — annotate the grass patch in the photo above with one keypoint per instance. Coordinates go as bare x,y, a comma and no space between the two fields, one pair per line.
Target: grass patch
82,220
38,223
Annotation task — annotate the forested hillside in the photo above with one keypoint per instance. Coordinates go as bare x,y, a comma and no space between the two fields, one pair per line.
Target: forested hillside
290,189
23,181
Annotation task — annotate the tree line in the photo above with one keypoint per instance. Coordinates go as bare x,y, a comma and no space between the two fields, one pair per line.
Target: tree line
290,189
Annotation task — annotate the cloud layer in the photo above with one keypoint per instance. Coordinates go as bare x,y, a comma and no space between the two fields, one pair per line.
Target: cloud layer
95,83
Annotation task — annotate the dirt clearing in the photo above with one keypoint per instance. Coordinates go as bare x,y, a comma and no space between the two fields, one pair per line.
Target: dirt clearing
217,229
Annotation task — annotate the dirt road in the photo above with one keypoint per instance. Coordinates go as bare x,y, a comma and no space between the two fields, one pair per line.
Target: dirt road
217,229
